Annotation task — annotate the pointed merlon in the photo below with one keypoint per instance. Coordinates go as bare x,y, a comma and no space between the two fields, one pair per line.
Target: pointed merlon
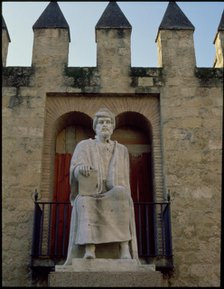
52,17
220,27
5,28
113,17
3,23
174,18
221,24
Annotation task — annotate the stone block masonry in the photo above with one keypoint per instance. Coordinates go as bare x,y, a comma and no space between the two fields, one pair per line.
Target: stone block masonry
106,279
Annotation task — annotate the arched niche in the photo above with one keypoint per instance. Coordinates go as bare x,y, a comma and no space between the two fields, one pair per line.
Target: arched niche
135,132
71,128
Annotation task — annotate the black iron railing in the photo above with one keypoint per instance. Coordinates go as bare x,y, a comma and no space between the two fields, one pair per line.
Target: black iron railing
153,229
51,229
52,222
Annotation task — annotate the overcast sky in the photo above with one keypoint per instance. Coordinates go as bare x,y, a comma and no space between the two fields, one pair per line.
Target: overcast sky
145,18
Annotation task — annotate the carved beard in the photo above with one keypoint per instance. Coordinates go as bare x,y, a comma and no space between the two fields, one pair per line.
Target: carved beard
105,132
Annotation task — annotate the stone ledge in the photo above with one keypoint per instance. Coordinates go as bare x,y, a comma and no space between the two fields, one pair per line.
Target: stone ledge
104,265
106,279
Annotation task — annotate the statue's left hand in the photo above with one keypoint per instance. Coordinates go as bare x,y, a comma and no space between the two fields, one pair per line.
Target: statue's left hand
85,170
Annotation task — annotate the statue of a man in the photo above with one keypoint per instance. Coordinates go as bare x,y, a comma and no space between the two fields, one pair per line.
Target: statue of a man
106,214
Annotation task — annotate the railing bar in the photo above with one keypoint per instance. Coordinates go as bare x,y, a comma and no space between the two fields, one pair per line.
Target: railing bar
34,229
56,232
49,230
166,207
140,229
155,230
168,233
141,203
162,230
147,231
41,230
64,227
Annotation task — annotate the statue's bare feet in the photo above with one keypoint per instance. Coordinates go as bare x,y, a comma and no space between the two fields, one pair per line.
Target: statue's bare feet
125,252
89,255
90,252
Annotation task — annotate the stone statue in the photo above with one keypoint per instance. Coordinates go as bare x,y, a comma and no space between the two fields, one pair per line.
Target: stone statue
102,210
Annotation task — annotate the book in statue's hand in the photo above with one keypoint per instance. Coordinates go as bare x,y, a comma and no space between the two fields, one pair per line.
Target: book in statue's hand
88,184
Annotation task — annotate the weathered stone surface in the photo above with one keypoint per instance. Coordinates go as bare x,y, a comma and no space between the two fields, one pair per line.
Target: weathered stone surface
106,279
145,81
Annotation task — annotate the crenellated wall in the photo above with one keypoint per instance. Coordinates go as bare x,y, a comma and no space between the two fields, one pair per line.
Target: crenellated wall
184,105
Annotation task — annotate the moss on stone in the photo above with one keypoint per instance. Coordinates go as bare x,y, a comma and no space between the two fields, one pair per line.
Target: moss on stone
17,76
145,72
138,72
206,74
81,75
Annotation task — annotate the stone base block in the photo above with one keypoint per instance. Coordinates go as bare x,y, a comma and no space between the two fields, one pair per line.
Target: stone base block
106,279
105,273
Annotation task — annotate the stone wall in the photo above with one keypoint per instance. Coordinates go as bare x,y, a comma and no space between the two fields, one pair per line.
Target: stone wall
191,135
192,141
27,114
191,114
22,144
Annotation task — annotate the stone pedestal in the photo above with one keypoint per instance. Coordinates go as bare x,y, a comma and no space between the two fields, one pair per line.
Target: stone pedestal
105,273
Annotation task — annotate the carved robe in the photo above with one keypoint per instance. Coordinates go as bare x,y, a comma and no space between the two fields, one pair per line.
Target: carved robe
109,218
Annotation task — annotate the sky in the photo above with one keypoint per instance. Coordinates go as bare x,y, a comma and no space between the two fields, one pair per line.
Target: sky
145,18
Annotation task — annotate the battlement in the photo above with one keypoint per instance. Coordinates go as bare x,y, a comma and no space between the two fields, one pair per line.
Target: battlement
113,39
113,72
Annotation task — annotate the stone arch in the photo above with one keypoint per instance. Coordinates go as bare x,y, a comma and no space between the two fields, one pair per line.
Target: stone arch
51,133
135,119
72,117
64,108
138,111
135,132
